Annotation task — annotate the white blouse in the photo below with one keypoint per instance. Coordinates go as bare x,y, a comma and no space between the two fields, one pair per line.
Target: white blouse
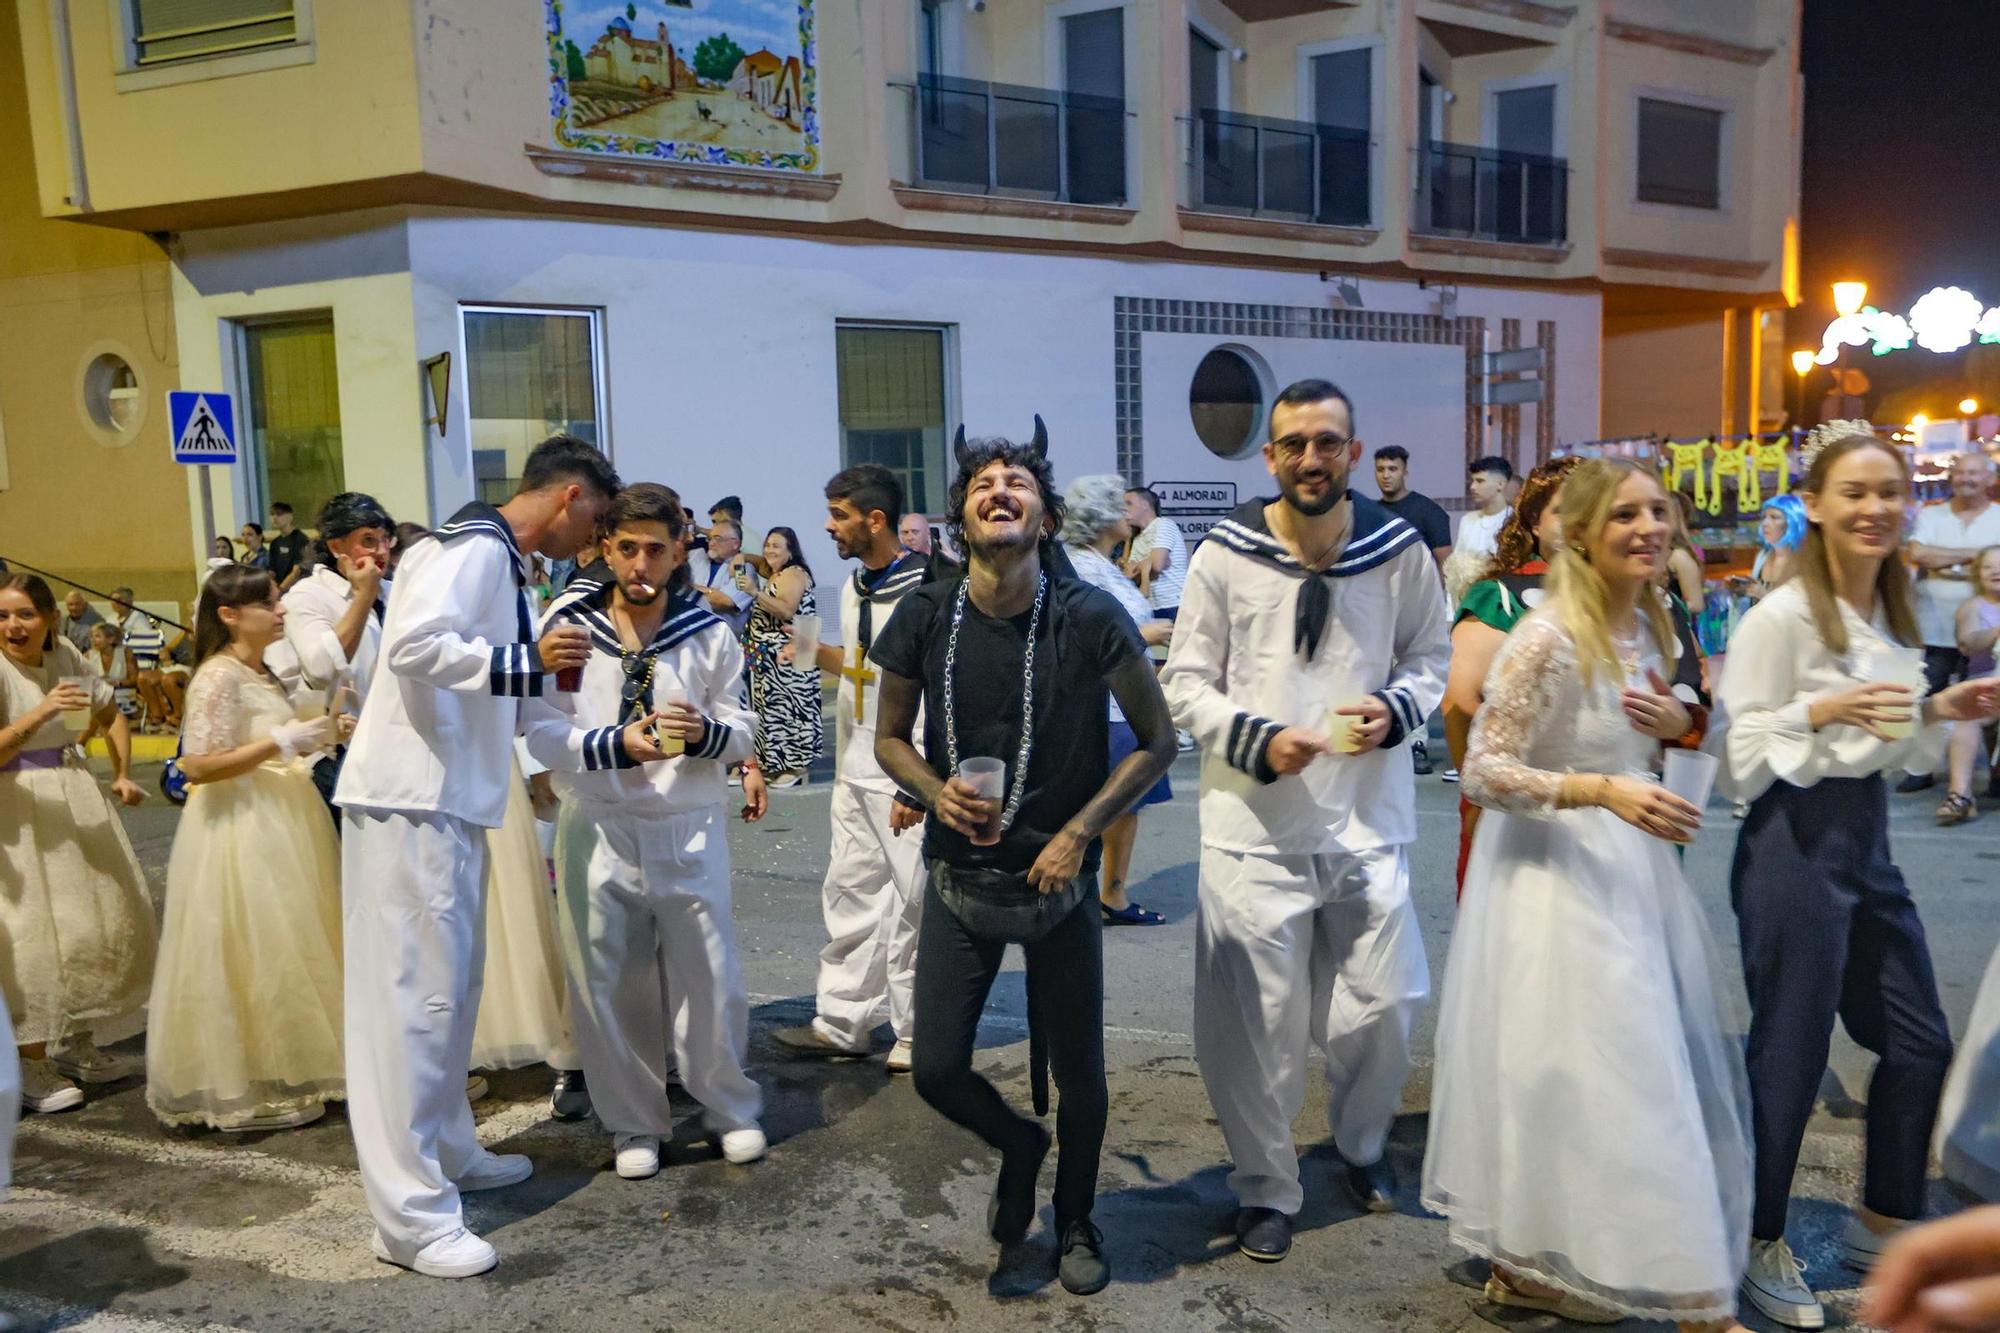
1776,668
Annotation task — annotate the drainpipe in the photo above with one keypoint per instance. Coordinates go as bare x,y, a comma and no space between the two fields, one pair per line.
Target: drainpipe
79,178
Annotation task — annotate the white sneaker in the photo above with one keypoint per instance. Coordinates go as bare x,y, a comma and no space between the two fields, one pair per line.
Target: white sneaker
1184,742
900,1057
461,1254
305,1115
475,1088
1863,1247
492,1171
1775,1285
1449,775
637,1156
45,1090
742,1146
80,1059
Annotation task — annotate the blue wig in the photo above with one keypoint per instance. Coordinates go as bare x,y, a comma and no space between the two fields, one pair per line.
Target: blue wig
1793,511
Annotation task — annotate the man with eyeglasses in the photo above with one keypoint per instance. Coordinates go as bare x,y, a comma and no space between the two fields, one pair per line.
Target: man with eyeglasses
644,851
1312,641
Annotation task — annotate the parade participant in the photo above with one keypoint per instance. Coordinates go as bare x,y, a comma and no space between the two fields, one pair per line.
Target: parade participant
425,778
647,912
1580,947
246,1007
76,920
1509,587
786,697
1968,1138
1011,662
1307,616
1818,699
873,895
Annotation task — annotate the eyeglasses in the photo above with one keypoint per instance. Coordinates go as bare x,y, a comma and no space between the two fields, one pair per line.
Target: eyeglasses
638,682
1293,448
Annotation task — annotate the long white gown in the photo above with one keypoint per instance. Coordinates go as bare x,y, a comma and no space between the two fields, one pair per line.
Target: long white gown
1969,1117
1589,1119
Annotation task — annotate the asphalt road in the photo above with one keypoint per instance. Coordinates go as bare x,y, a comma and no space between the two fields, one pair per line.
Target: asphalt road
868,1213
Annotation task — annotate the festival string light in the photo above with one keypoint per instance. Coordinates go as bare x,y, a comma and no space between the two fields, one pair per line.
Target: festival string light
1943,319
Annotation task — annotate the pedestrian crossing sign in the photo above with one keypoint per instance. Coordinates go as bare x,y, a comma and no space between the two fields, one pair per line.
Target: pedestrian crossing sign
203,426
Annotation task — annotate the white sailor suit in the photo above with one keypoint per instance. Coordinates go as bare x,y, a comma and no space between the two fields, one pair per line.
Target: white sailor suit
1305,931
873,895
426,775
644,884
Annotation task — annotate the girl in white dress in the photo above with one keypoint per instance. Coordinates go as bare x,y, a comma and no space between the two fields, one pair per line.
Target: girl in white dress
1589,1121
76,921
246,1012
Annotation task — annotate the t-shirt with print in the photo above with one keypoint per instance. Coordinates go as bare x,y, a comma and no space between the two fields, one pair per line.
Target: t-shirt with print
1163,534
1085,636
287,549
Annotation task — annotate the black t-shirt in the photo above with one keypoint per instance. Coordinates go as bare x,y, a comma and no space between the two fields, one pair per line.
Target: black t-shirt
287,549
1424,514
1085,635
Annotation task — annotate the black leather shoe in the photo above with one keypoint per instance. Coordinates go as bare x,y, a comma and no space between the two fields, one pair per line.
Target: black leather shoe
1420,754
1373,1186
1916,782
1083,1271
571,1098
1012,1207
1265,1234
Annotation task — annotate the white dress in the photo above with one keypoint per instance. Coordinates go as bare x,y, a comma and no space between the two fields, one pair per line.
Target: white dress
523,1005
1589,1119
1969,1116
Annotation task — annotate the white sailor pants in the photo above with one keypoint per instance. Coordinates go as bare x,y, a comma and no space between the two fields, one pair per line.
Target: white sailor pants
873,899
413,896
1295,949
648,927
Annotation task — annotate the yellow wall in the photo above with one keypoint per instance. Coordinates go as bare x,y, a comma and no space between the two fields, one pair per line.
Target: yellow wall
1663,374
102,515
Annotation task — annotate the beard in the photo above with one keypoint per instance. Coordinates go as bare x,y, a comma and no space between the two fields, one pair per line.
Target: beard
1314,506
630,592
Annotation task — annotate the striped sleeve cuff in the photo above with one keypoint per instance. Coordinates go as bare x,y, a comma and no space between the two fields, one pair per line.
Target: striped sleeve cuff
1405,718
1250,744
517,671
604,747
714,739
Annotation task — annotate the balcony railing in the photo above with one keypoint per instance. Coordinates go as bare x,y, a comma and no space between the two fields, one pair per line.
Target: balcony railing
1288,169
997,138
1492,194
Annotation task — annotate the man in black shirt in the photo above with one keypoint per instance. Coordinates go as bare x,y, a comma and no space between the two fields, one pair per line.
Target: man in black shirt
1013,661
288,549
1427,516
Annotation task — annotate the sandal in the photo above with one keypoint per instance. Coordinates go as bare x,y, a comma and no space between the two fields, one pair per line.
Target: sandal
1131,914
1956,809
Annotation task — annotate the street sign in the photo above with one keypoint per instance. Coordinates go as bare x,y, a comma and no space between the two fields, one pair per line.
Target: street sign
1195,527
202,426
1195,497
1515,361
1505,392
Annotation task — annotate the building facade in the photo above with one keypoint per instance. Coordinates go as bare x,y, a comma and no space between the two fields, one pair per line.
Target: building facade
740,251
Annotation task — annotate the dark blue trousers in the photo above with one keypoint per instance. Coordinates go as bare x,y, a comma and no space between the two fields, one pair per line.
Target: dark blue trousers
1828,930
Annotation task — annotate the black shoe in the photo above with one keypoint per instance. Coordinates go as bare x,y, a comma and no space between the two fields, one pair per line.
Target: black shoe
1373,1186
1083,1271
1916,782
1422,756
571,1098
1012,1207
1265,1234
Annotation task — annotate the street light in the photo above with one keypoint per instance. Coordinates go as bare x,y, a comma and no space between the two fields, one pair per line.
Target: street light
1968,406
1848,296
1803,362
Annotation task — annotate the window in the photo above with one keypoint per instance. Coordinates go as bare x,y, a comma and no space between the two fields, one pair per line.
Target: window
529,374
1524,120
1680,154
293,397
164,30
111,397
930,37
1226,401
1204,72
893,407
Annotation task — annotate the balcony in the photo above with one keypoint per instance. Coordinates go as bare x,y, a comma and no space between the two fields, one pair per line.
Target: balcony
1254,166
998,139
1490,194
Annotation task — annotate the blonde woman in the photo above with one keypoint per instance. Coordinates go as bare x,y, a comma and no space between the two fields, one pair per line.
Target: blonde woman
1589,1125
1821,696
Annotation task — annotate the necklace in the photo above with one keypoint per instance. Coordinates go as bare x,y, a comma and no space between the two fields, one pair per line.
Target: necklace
1312,565
1013,806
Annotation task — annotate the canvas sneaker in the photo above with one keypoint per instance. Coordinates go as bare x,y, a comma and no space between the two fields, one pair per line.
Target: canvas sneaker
1775,1285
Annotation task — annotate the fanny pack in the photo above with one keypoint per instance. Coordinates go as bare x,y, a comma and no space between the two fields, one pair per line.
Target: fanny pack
1002,905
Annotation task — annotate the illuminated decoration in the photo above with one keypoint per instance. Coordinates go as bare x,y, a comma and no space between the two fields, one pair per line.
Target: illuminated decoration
1803,361
1848,296
1968,405
1944,319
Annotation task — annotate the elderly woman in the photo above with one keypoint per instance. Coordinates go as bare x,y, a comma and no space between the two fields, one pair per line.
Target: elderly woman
1095,525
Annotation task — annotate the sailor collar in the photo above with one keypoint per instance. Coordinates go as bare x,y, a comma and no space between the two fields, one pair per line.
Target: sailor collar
900,575
1377,537
483,519
587,602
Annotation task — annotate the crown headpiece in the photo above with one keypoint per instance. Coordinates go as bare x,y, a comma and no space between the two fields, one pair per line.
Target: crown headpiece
1825,433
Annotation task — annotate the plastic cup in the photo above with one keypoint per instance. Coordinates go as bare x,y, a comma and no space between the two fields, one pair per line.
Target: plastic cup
988,777
1343,730
671,742
76,719
1690,775
805,644
1900,666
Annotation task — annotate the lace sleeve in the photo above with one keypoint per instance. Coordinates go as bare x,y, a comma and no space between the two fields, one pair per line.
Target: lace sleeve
212,710
1521,694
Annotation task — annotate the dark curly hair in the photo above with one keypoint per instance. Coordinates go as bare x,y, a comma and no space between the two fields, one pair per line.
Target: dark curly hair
1516,544
982,454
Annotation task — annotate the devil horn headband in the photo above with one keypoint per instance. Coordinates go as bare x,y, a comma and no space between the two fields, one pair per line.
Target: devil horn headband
1039,445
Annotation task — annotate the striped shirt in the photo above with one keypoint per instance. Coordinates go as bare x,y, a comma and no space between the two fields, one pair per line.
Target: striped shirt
144,640
1164,534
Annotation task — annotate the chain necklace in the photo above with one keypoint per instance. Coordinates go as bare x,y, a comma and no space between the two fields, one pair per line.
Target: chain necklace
1013,806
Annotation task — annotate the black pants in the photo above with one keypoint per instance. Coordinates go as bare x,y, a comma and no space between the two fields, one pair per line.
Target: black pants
955,972
1828,930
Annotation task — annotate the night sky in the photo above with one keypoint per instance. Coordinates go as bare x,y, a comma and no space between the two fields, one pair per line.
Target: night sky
1902,158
